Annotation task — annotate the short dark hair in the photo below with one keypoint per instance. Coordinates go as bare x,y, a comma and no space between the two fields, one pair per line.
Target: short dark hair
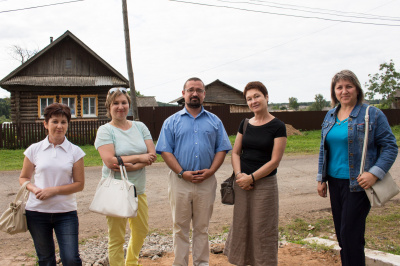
56,109
193,79
351,77
257,85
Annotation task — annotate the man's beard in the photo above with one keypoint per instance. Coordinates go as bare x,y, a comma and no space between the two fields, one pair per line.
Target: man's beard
194,105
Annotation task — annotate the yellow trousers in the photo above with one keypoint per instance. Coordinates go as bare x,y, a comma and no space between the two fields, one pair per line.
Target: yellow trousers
116,235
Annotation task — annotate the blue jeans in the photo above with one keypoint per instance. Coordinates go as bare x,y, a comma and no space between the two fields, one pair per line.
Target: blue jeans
66,228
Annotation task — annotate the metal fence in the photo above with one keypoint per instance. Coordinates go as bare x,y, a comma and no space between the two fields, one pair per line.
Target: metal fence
19,136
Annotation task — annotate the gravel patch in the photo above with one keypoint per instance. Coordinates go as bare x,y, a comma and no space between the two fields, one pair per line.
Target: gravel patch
94,250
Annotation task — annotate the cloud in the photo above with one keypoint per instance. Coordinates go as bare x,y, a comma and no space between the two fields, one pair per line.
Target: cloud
172,41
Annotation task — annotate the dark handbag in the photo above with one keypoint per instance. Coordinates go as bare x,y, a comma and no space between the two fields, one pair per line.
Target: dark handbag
227,192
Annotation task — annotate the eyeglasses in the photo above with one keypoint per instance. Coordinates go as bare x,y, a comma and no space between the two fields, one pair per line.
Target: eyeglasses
112,90
198,91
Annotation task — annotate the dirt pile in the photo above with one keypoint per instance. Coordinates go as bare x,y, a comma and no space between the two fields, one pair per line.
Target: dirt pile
290,130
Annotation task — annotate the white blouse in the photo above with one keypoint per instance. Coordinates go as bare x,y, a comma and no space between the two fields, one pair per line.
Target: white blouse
53,167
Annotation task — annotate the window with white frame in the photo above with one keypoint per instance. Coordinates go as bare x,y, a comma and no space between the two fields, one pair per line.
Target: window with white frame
70,101
43,102
89,105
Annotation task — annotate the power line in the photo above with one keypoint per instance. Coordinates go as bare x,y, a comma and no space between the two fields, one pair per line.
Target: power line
288,15
323,9
33,7
249,55
314,12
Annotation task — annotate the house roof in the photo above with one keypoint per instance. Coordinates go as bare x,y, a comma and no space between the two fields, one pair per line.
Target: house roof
217,81
65,81
146,101
13,79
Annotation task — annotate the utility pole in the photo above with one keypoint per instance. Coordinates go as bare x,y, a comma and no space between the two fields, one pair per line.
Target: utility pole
134,108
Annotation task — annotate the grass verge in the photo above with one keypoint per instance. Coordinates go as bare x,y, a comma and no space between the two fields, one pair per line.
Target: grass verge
381,230
307,143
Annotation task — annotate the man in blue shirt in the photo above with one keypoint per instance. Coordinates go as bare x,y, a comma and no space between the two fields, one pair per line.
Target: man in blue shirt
193,143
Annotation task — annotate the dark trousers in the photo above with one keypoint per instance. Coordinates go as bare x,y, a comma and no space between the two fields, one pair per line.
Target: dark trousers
350,211
65,226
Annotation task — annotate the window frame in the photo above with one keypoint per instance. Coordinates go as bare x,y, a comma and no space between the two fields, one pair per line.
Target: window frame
96,105
76,103
68,63
40,97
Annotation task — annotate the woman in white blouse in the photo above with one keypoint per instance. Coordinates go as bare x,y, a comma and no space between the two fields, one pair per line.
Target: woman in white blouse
58,171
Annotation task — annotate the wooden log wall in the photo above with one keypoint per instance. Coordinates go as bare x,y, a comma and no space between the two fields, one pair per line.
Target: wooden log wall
24,101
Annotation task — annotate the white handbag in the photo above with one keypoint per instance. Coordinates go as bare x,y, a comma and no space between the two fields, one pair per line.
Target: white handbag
13,220
114,197
383,190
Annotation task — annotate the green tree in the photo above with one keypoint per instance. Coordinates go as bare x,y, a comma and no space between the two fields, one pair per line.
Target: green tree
137,93
293,104
5,107
275,107
4,119
385,83
319,103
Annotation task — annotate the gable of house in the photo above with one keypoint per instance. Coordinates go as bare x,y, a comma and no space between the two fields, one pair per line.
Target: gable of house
65,71
218,92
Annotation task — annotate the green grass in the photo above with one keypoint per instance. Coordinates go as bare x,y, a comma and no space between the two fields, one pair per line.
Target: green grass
396,132
381,230
11,159
232,139
318,247
307,143
92,157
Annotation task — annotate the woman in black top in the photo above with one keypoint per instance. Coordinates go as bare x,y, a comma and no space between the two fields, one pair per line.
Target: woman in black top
253,237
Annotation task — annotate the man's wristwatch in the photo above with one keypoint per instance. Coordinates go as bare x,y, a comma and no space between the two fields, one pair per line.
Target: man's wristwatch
180,175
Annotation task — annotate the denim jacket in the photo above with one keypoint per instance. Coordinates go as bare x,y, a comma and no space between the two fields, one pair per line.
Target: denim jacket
382,148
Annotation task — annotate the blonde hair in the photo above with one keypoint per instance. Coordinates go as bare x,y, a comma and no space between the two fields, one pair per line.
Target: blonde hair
111,98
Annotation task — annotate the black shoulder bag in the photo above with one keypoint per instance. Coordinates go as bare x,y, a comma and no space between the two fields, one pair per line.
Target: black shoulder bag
227,192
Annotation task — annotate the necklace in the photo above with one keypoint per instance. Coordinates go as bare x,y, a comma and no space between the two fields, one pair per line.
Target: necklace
341,122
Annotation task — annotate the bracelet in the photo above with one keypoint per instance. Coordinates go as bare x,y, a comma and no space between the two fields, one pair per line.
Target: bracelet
252,176
120,161
237,173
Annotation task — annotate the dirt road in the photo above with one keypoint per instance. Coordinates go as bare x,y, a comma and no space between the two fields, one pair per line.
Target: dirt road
297,194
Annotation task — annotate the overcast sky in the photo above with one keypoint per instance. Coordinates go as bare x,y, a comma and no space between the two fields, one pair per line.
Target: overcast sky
172,41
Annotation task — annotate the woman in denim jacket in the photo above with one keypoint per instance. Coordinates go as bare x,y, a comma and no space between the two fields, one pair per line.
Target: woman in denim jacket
342,138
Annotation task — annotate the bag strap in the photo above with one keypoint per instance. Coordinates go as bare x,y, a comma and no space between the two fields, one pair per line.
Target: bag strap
246,122
364,152
122,168
21,192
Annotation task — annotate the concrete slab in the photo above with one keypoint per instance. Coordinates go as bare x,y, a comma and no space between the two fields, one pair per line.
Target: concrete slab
372,257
